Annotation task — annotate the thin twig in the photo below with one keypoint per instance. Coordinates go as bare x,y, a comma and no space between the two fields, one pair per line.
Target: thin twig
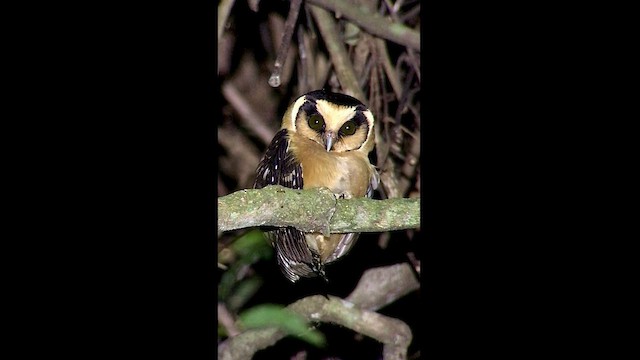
277,31
283,50
389,179
415,62
242,159
392,75
415,262
384,144
253,5
414,12
374,91
397,5
361,54
226,319
223,13
250,119
303,65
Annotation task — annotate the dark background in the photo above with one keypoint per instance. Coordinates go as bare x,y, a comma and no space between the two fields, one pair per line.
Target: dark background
111,164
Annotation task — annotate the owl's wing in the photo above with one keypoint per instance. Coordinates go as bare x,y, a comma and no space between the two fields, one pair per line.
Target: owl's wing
374,181
294,256
279,167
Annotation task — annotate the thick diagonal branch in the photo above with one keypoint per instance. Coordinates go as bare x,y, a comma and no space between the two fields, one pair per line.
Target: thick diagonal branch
339,57
314,210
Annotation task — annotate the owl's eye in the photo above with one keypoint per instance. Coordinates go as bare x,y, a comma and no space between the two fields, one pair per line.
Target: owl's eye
316,122
349,128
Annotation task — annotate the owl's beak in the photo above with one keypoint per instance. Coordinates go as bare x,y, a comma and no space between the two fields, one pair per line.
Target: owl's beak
329,139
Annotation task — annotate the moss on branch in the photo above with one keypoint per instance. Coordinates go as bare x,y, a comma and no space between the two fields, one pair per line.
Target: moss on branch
314,210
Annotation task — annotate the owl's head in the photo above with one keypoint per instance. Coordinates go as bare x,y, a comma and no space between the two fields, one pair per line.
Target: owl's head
336,121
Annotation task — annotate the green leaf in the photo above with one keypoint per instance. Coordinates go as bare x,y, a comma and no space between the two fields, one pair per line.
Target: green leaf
268,315
251,247
222,332
243,292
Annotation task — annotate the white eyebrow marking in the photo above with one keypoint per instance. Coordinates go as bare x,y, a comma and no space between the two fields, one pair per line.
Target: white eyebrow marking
371,122
295,109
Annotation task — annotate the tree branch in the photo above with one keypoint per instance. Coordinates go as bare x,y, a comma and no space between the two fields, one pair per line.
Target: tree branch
393,333
283,50
372,22
335,46
379,287
314,210
252,120
224,8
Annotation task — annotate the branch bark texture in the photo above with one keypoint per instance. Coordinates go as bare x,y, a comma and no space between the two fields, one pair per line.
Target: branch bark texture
314,210
379,287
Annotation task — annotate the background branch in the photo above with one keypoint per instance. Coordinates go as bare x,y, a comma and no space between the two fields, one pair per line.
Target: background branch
253,121
339,58
314,210
393,333
224,8
283,50
372,22
379,287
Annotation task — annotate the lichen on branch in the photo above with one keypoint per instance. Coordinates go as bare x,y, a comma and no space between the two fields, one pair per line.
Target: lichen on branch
314,210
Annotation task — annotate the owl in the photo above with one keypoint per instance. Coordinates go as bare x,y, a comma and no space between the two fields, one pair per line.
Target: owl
324,141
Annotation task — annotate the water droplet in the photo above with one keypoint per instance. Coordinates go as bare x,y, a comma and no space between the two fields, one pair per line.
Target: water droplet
274,80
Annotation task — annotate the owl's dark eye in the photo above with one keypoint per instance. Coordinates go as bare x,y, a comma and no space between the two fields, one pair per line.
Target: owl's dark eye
349,128
316,122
